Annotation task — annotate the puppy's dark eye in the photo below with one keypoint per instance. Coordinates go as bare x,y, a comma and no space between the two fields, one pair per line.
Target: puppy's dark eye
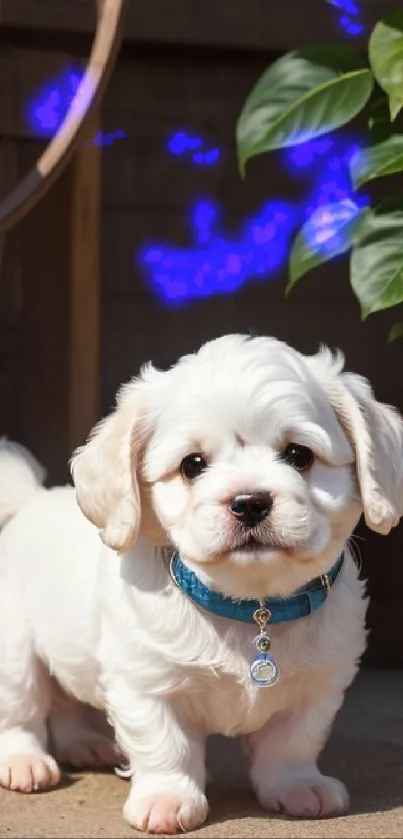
300,457
193,465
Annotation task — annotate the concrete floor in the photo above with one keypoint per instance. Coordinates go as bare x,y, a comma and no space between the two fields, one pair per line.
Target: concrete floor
365,751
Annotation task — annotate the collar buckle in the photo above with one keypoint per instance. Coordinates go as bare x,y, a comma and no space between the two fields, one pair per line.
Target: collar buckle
261,616
326,583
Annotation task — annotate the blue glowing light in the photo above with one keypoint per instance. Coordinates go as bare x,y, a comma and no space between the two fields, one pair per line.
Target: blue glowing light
215,263
333,182
207,158
303,155
326,161
203,218
103,138
46,110
183,144
332,202
326,229
350,16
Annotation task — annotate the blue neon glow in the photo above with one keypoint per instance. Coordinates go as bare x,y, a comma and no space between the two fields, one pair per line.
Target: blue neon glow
203,220
331,202
299,157
349,18
332,182
183,144
207,158
107,138
325,231
326,163
46,110
216,263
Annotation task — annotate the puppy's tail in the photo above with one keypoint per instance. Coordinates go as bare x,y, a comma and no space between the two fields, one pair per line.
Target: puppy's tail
20,477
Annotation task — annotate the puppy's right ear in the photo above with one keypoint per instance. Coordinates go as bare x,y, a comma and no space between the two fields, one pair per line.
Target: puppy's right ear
375,432
105,471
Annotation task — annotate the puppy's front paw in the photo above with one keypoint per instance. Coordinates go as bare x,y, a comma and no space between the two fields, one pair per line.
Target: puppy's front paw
315,798
168,814
29,773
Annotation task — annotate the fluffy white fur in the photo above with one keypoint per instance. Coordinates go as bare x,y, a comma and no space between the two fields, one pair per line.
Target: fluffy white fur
79,622
26,472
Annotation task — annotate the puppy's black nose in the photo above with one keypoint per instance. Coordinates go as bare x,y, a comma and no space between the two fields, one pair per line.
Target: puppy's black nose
251,508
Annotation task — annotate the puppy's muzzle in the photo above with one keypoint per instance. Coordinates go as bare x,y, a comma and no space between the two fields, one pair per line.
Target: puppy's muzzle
250,508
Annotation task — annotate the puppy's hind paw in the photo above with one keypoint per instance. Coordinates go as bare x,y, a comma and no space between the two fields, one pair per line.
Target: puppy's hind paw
317,799
29,773
166,814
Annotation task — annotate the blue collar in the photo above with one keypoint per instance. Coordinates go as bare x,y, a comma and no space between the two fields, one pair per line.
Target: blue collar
299,605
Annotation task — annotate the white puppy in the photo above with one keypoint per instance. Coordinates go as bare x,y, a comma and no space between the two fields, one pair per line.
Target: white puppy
255,463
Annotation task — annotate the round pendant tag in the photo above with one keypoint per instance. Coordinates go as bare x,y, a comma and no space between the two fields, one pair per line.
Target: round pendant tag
264,671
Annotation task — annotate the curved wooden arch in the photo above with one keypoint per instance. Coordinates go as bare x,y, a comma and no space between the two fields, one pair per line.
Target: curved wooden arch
60,149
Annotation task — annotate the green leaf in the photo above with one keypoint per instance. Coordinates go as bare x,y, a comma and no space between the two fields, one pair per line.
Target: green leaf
331,230
304,94
395,332
385,50
377,262
395,105
375,161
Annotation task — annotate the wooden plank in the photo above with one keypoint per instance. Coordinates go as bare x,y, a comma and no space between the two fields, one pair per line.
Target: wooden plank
10,305
45,328
60,314
10,414
85,289
258,24
10,255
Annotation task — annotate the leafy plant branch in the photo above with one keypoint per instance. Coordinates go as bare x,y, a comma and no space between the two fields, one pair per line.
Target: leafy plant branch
310,92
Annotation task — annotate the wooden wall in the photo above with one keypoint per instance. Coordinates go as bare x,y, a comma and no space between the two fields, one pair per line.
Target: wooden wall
10,306
156,89
18,149
49,279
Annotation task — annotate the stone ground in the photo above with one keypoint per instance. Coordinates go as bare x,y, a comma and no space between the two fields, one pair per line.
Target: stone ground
365,751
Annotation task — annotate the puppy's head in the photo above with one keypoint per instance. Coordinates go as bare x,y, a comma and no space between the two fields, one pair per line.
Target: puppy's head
253,460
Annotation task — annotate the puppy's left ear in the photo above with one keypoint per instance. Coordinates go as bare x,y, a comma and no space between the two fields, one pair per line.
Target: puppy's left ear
375,431
105,470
